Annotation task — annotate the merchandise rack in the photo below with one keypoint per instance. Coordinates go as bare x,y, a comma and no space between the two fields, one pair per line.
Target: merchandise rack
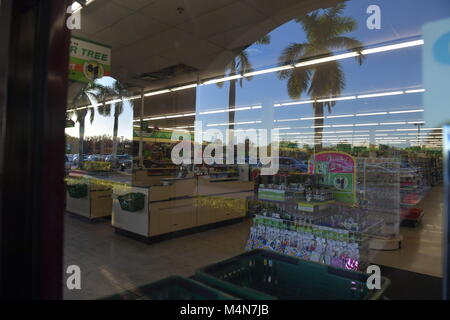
414,187
329,240
283,228
378,185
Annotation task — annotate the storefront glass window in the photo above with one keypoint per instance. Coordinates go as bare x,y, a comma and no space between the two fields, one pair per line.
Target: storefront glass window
299,130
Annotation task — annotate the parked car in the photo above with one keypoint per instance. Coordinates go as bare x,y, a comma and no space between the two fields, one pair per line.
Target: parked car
292,164
67,164
123,160
96,157
75,159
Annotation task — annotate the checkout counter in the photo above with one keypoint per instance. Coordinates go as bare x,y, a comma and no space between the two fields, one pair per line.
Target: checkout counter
177,206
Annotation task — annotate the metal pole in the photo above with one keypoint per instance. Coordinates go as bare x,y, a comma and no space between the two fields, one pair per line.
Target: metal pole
446,241
141,138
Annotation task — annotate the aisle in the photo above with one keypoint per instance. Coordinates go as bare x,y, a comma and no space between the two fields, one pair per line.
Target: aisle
421,251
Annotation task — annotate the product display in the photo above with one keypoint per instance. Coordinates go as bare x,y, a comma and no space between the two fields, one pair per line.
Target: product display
378,185
302,218
337,237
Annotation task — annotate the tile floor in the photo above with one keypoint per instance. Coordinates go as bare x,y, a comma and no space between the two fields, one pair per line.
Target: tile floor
112,263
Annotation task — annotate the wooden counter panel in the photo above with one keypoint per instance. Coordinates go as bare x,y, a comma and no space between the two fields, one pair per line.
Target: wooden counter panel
169,216
101,203
206,187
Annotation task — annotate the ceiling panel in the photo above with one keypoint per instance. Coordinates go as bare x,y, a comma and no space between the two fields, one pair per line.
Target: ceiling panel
222,20
242,36
192,49
133,4
101,14
166,11
131,29
167,41
148,35
268,7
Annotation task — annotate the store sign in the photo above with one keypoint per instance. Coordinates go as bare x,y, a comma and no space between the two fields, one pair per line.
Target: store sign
88,60
338,171
436,73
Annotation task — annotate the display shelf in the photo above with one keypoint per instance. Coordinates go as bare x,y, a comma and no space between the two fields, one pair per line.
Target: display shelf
378,188
412,222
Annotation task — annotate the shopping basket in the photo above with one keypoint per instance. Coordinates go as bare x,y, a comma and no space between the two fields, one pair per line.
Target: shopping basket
132,202
262,275
173,288
78,190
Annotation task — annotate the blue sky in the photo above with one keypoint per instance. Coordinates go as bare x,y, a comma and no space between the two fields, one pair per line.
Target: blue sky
402,20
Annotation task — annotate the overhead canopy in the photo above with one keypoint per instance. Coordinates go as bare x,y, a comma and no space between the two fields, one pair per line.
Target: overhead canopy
157,43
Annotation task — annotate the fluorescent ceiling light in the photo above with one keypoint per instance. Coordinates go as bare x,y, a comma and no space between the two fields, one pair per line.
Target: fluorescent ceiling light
134,97
342,125
364,96
287,120
175,116
189,86
365,124
393,47
406,111
240,109
238,76
415,91
370,114
293,103
76,6
213,112
156,93
391,123
337,99
327,59
276,69
233,123
341,116
383,94
301,64
312,118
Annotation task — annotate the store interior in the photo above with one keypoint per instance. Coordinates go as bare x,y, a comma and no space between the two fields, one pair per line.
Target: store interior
199,131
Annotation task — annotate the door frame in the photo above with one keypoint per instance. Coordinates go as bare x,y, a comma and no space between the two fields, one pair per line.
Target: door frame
33,97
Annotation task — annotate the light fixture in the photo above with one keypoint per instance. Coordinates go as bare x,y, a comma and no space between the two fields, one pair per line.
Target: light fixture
406,111
219,80
393,47
341,116
337,99
415,91
156,92
370,114
391,123
276,69
302,64
365,124
312,118
326,59
342,125
189,86
383,94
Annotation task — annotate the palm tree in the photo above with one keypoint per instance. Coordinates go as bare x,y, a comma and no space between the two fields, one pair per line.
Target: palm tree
80,106
119,93
240,65
324,32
